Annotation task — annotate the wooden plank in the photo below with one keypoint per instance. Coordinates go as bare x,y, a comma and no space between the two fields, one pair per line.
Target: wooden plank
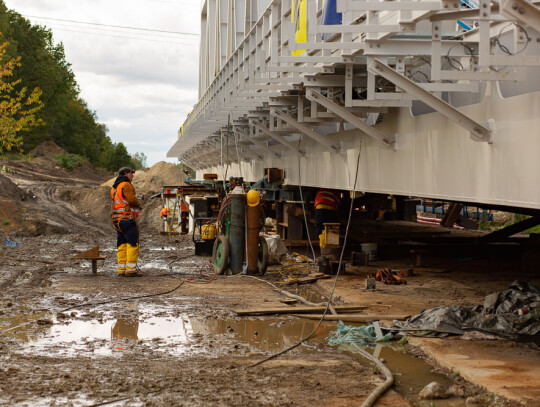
89,254
354,317
293,310
303,280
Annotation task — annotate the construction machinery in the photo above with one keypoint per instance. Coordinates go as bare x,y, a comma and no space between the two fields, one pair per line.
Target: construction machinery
204,235
239,247
432,99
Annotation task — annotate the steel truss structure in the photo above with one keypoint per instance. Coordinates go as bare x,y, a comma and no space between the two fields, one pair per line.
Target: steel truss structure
432,108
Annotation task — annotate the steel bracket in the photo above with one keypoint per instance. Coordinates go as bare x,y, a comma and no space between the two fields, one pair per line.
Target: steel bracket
478,131
279,138
314,96
301,127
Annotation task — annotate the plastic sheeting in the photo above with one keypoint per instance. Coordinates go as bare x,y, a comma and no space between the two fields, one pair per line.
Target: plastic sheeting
498,315
276,248
11,243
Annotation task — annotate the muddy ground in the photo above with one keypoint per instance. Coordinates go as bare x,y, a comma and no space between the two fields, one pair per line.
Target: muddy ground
70,338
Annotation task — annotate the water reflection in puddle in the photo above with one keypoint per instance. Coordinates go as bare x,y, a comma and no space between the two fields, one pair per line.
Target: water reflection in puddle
185,335
412,374
172,335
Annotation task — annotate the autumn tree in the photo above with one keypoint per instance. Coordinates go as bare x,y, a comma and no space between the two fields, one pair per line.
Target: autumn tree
139,160
18,107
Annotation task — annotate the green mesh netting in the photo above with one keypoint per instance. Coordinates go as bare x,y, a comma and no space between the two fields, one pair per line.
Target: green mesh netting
362,335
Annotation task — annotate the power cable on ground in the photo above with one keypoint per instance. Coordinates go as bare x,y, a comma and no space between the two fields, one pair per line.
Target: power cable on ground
302,200
123,299
335,280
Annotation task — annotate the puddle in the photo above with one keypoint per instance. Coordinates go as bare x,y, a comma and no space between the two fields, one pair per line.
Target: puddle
412,374
19,325
174,336
185,335
159,249
110,336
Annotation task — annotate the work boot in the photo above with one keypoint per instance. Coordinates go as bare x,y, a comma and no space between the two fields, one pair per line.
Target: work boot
135,274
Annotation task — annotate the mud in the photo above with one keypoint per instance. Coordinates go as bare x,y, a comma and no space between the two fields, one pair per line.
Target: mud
68,337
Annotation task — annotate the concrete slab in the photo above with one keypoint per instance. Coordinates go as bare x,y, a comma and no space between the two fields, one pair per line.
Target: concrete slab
509,369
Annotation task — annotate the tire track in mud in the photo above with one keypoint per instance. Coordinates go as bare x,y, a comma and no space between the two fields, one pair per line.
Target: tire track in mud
40,176
56,211
47,204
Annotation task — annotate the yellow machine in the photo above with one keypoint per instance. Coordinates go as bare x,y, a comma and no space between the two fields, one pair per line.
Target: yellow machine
208,231
204,235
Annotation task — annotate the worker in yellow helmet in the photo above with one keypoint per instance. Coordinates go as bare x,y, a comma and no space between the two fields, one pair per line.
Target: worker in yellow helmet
125,209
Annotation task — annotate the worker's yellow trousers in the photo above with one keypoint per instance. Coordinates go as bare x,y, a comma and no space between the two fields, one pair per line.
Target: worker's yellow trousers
128,256
121,254
132,255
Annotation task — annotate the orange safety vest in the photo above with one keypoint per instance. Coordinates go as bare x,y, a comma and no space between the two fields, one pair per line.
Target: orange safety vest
120,207
327,198
164,212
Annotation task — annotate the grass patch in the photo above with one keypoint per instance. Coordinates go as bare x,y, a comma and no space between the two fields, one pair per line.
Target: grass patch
518,218
70,161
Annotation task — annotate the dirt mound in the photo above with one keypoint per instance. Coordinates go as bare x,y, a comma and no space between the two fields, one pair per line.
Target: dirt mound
48,149
93,203
151,180
9,190
150,221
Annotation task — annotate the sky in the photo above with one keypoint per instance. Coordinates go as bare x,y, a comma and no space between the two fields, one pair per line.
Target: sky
140,83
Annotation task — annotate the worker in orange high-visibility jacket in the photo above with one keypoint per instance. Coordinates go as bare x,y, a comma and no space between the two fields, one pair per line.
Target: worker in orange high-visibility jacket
326,206
125,208
163,213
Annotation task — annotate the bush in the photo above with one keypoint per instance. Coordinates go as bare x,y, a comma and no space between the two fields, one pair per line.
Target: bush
70,161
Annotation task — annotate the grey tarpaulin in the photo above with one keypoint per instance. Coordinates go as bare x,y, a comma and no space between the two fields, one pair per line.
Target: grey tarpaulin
498,315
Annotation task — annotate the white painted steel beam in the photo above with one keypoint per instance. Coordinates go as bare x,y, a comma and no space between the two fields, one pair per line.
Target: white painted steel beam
251,72
523,11
304,129
478,132
348,5
259,144
279,138
315,96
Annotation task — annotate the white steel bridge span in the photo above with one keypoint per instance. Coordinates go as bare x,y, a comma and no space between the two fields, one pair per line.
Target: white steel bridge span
440,98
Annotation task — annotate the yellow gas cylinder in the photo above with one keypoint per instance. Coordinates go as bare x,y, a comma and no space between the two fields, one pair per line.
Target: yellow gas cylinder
322,239
208,231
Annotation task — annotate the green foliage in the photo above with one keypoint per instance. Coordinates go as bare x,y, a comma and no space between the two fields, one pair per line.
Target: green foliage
518,217
18,107
70,161
116,157
66,118
139,160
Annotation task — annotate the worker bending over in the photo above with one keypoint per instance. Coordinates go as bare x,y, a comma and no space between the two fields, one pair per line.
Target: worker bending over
326,206
125,209
164,213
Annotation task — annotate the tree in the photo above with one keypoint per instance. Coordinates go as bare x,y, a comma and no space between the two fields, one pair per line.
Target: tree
17,108
66,118
116,157
139,160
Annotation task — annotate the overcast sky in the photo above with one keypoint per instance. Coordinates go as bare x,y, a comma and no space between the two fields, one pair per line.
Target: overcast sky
141,84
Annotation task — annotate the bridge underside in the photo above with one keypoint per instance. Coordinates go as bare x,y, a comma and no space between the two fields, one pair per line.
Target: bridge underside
397,99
